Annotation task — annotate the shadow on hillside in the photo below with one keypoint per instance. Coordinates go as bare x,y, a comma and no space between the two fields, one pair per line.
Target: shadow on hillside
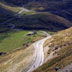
61,8
12,2
52,4
5,14
42,21
63,13
32,22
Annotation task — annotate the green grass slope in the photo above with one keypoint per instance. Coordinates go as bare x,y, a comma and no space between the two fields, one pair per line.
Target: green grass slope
61,43
13,40
17,50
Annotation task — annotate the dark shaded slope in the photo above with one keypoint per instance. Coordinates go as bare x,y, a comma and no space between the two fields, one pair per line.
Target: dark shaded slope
41,21
59,7
5,14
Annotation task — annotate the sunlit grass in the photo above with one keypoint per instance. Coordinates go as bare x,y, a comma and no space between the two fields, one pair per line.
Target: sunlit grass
62,40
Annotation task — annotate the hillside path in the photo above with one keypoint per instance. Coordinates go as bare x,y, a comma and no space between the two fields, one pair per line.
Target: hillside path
39,53
10,19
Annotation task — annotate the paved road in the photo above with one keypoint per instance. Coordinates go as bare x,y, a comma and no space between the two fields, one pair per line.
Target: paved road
39,53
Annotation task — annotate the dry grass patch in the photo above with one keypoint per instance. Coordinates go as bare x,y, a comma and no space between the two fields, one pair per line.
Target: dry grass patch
18,60
11,8
62,41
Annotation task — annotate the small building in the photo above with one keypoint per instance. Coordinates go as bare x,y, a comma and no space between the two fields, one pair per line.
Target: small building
32,33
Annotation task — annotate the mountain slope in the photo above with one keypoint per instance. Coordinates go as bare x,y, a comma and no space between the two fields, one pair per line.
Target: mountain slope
60,7
41,21
44,20
44,4
50,15
61,45
6,12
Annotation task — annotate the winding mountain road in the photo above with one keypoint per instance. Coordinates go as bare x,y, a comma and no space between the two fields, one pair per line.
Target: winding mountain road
10,19
39,53
23,10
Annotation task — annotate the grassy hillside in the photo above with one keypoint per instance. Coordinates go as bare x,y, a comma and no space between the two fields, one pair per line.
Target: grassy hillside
16,51
31,20
17,61
61,4
59,7
13,40
47,21
61,44
11,8
7,11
